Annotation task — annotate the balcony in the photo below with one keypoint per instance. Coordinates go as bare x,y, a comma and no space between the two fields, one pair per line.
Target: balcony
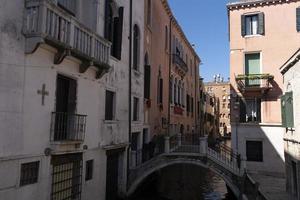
254,82
46,22
182,66
67,127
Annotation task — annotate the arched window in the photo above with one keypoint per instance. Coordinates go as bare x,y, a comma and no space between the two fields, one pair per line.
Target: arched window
171,89
114,27
136,47
147,77
166,37
175,91
179,93
149,10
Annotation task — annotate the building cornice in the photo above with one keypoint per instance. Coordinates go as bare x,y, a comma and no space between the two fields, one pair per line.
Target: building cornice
290,62
178,27
255,3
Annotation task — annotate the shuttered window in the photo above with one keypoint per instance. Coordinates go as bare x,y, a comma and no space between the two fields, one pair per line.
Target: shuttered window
160,90
135,109
113,30
147,82
287,110
253,24
298,18
109,105
136,47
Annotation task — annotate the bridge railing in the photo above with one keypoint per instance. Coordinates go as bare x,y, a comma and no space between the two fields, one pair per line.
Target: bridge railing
224,155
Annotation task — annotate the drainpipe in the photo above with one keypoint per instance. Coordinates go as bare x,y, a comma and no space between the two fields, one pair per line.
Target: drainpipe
170,66
129,89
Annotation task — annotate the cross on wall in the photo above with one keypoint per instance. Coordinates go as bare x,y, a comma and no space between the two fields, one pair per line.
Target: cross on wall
43,93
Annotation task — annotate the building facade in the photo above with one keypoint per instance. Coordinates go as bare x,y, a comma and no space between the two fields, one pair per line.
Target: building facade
221,91
290,116
65,101
171,85
258,47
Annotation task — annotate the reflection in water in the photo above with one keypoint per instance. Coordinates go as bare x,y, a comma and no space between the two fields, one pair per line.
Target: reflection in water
183,182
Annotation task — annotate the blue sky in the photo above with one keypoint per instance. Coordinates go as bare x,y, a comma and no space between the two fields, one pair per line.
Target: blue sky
205,24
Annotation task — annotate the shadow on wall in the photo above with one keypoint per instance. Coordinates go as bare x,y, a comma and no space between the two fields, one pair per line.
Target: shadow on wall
259,143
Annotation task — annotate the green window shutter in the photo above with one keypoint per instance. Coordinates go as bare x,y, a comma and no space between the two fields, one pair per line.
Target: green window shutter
283,111
289,110
298,18
243,25
261,24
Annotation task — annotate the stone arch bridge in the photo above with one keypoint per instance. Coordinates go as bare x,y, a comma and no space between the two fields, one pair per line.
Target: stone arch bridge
194,150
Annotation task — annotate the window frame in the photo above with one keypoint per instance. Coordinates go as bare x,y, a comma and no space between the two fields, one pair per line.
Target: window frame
26,180
260,156
89,169
113,109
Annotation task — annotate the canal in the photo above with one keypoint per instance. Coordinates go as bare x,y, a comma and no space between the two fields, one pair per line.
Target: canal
183,182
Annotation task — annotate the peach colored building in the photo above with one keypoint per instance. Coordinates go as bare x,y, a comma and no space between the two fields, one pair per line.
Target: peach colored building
263,35
171,95
221,91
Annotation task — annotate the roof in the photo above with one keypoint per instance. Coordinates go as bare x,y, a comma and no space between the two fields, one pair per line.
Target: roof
290,62
236,4
177,25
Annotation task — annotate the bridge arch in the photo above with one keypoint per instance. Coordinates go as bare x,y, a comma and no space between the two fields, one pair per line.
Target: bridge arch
160,165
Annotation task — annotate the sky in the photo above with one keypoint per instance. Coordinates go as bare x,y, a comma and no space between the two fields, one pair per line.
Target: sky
205,24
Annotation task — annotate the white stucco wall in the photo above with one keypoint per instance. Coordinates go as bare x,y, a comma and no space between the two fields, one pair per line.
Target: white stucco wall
272,139
25,123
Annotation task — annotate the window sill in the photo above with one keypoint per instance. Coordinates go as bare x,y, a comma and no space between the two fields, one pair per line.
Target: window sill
252,36
110,121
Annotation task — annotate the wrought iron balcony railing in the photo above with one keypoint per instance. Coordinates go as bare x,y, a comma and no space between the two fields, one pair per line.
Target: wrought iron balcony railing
180,62
46,22
67,127
254,82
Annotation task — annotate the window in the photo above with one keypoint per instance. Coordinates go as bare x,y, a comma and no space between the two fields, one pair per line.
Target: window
109,105
29,173
295,179
68,5
298,18
149,11
250,110
252,66
192,105
166,37
114,27
254,151
188,103
224,105
287,110
135,109
253,24
89,167
66,177
147,81
136,47
160,91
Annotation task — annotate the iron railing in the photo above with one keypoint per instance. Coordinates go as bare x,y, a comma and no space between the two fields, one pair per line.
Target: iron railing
225,156
67,127
180,62
254,81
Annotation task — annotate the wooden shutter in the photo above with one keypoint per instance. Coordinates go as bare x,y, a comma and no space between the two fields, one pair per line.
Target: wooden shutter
243,25
118,34
289,109
161,83
283,111
147,83
298,18
261,24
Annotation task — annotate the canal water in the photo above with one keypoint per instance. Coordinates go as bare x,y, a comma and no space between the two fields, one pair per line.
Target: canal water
183,182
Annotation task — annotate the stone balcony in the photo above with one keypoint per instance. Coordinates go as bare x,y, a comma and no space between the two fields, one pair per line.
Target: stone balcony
180,64
260,83
47,23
